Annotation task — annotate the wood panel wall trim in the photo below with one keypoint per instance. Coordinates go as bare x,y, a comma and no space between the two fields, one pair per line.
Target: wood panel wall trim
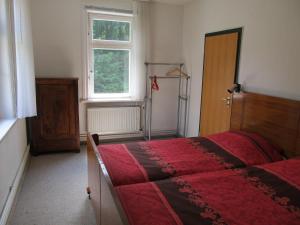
277,119
298,139
96,169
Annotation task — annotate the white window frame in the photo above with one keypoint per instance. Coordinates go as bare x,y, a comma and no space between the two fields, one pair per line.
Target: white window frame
8,106
106,44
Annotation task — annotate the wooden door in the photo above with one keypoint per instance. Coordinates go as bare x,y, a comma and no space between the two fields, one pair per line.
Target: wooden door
219,73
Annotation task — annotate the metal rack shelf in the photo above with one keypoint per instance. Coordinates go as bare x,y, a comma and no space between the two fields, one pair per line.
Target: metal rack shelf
164,77
149,100
164,64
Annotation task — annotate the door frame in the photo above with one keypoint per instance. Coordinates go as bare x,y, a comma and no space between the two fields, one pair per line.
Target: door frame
238,30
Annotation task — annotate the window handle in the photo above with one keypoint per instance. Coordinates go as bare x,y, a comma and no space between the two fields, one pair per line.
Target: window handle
91,72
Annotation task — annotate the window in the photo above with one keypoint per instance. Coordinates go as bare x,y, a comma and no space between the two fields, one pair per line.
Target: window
110,53
17,84
6,64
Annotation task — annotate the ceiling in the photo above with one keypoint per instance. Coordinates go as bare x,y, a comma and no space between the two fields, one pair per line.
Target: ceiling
177,2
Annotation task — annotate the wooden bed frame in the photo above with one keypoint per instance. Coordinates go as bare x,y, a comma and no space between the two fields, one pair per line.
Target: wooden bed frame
106,204
276,119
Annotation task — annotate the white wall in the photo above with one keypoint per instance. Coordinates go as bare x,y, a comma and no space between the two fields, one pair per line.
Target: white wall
58,41
12,150
58,27
165,46
165,32
270,52
13,144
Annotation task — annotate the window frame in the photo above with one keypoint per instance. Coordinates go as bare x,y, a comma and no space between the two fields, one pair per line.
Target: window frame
8,81
108,45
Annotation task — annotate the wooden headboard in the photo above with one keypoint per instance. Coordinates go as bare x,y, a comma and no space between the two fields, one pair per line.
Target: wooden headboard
276,119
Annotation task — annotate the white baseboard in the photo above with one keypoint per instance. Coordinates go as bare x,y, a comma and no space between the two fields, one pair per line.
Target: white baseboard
114,136
15,188
155,133
82,139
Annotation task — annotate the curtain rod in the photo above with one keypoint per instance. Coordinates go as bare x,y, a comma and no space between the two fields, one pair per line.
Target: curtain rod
111,10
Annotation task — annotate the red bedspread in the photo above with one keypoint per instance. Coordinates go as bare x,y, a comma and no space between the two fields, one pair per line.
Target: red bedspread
260,195
149,161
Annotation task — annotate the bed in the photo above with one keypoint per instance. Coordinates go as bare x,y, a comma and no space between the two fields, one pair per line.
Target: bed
260,195
139,162
275,119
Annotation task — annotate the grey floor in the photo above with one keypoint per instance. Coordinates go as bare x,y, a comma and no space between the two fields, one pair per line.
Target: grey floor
53,192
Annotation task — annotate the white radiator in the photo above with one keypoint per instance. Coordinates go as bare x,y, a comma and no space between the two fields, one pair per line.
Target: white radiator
114,120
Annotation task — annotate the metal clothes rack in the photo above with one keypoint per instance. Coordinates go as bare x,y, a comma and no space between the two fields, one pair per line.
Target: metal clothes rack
148,98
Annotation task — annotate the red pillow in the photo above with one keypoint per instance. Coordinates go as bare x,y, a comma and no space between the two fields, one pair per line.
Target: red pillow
248,145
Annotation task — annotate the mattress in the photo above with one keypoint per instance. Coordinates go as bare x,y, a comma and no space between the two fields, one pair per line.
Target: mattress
139,162
257,195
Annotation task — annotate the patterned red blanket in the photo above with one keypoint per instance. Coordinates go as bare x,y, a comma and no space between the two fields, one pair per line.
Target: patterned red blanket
149,161
260,195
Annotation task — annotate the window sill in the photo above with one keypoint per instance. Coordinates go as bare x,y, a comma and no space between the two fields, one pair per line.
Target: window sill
5,126
114,100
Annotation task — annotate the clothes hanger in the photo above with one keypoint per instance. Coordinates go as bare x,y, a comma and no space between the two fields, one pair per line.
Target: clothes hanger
176,72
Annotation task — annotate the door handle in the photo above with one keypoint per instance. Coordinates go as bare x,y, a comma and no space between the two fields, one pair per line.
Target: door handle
227,101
